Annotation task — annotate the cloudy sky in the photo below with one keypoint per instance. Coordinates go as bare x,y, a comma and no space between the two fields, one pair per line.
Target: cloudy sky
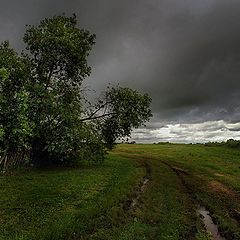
185,54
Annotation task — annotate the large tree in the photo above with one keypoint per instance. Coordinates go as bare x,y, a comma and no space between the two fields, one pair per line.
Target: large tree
58,50
43,107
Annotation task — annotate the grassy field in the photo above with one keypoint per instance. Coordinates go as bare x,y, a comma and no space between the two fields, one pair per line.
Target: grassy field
97,202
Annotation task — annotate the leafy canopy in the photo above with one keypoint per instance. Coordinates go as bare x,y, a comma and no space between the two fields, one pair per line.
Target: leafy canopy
43,105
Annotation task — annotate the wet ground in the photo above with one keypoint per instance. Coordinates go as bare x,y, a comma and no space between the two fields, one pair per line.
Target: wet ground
210,226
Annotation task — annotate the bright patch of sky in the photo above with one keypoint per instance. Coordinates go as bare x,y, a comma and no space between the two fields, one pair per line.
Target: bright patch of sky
188,133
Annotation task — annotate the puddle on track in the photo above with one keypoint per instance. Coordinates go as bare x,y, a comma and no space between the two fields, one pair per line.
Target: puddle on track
135,200
209,224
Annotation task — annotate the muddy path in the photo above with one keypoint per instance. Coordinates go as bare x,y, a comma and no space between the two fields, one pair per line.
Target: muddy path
199,210
210,226
139,191
209,222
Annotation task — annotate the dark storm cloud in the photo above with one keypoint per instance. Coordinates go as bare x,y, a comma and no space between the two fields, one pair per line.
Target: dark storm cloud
185,54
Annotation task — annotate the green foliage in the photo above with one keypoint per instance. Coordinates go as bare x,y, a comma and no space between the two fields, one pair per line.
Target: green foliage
58,51
42,104
59,48
3,73
127,109
15,127
233,143
229,143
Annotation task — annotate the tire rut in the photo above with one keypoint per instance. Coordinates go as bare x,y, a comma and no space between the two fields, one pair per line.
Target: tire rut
206,218
132,203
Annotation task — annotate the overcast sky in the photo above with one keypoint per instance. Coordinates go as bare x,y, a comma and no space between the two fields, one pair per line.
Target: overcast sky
184,53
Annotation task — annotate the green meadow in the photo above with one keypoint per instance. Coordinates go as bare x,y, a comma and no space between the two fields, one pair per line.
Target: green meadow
139,192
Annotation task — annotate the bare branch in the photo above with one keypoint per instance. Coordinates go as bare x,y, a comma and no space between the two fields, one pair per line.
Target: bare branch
97,117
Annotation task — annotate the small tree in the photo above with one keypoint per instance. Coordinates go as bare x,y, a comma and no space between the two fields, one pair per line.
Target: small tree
119,111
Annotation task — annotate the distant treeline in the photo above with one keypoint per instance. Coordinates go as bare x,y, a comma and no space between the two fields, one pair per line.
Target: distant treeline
163,143
229,143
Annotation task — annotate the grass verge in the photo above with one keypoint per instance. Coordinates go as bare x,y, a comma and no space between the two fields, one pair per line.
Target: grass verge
66,204
94,202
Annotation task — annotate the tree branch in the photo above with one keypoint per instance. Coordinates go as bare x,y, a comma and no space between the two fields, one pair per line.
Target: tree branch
97,117
49,76
99,108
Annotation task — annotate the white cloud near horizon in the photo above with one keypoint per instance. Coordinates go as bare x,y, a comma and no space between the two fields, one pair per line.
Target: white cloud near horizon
188,133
